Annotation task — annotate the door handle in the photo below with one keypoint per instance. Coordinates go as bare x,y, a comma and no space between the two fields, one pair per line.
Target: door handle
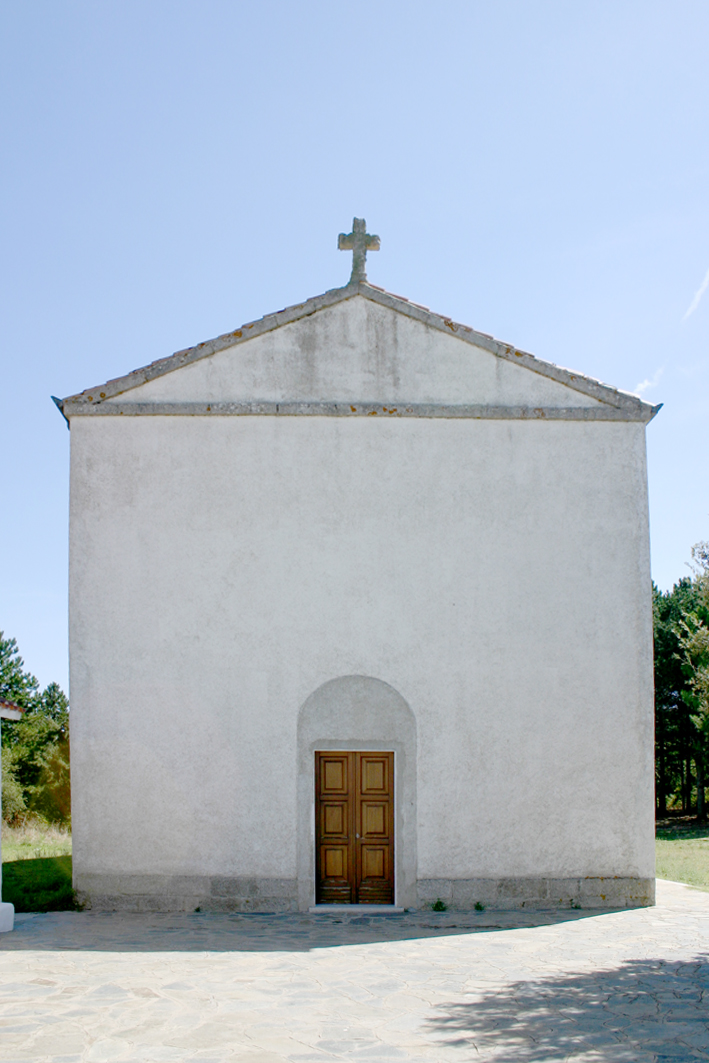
356,835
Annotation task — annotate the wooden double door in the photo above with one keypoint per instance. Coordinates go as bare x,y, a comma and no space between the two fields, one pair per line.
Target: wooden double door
354,817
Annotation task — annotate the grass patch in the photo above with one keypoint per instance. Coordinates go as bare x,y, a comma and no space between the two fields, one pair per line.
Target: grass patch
34,840
36,868
42,885
682,853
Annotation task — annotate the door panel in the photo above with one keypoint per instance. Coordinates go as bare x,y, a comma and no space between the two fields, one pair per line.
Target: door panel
375,819
354,828
373,776
334,777
335,861
335,772
334,819
373,861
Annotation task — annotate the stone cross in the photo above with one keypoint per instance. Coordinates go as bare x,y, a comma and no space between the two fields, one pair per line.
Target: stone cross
359,241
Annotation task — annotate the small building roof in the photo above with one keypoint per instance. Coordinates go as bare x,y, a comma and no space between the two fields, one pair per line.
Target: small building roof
10,711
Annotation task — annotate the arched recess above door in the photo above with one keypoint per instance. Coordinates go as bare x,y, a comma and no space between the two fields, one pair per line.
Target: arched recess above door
357,712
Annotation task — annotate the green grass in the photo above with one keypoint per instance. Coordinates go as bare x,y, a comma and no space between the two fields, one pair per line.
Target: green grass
682,853
36,868
42,885
34,840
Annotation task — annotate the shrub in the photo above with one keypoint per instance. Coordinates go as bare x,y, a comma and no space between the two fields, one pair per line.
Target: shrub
14,807
35,755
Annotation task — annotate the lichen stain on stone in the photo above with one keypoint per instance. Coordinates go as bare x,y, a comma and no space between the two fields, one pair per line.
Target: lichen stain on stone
450,324
372,413
354,409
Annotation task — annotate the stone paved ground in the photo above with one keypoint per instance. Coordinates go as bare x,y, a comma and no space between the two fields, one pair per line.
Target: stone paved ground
589,987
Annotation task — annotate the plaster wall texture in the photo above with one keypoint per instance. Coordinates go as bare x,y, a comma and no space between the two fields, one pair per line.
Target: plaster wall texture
495,574
357,351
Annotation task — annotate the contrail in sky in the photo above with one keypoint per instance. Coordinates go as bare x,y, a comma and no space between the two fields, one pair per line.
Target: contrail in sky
651,382
698,297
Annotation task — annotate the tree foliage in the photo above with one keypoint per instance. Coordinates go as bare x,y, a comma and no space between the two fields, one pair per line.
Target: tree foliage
681,631
35,749
694,642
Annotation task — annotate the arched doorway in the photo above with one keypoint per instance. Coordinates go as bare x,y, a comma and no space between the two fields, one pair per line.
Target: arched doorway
358,715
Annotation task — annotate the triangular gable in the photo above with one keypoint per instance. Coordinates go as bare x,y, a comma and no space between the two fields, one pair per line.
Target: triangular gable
358,350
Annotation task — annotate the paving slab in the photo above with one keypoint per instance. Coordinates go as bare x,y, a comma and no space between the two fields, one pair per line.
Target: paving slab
589,987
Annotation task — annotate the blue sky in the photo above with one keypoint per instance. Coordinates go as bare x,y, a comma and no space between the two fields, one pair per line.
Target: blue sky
536,169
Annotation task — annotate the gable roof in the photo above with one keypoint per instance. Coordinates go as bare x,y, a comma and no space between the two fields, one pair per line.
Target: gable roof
609,404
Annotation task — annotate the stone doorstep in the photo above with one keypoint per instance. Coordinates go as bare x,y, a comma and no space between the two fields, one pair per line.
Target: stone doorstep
356,909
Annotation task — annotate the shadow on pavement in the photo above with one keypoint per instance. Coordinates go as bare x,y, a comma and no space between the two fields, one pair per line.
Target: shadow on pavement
645,1010
251,932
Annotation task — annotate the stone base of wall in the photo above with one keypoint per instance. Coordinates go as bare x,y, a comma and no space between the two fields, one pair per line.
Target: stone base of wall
589,892
185,893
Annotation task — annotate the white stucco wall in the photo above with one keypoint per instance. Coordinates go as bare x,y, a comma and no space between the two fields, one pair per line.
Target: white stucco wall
494,573
357,351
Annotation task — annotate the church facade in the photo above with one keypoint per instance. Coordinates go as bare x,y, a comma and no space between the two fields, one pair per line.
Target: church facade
360,612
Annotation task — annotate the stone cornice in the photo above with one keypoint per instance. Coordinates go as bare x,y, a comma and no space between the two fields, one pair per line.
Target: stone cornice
355,409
